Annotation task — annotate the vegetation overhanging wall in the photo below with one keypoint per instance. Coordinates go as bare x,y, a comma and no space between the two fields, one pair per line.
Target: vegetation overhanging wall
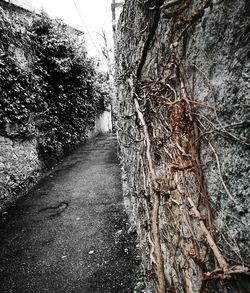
50,94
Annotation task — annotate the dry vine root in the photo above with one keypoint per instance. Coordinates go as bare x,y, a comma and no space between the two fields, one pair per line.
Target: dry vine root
225,270
156,199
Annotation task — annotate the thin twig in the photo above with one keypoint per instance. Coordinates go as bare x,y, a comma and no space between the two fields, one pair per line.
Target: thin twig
220,174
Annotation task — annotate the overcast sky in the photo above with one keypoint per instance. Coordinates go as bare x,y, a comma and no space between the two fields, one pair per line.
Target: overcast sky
92,16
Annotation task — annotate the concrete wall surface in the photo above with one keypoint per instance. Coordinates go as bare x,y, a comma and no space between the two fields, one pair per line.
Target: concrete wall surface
103,123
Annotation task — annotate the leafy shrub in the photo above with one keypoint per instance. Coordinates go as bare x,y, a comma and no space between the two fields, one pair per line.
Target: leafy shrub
66,78
16,84
57,94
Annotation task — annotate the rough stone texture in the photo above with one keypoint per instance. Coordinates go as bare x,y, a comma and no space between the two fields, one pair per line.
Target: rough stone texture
201,54
19,164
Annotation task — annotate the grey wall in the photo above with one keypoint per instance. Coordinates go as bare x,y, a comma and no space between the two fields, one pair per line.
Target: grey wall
188,69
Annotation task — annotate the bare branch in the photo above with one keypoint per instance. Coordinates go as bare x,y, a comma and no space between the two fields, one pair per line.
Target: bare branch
220,258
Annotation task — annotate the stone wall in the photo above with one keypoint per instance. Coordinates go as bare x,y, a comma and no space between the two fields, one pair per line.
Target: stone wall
19,167
182,74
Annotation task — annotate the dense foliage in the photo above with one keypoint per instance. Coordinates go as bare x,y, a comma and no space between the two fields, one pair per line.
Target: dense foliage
52,91
16,84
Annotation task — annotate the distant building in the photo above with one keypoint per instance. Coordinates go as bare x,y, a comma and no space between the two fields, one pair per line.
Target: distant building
29,12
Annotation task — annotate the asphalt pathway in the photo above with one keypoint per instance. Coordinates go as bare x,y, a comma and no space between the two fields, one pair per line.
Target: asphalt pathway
70,232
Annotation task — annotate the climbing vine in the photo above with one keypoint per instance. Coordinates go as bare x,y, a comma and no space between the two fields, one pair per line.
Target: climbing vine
165,128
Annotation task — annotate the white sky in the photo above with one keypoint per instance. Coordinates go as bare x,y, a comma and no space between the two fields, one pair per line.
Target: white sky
96,15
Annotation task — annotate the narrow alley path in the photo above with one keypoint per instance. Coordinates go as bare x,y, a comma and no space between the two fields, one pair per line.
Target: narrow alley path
69,233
